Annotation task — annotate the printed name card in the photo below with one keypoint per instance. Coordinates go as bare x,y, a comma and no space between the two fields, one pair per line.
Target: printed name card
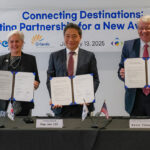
139,123
49,123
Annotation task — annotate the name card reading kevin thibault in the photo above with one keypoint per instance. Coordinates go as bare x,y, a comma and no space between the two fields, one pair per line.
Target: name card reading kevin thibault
139,123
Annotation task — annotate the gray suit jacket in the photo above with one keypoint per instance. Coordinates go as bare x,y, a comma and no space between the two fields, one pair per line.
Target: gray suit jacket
130,49
86,64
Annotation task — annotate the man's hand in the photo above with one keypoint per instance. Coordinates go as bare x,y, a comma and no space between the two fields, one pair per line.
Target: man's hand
55,106
122,73
87,104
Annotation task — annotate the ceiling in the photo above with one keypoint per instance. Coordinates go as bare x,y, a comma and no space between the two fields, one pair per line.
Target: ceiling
72,4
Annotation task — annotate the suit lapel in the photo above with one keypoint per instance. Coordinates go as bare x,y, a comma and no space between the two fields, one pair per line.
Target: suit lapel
80,56
6,62
136,48
23,62
63,62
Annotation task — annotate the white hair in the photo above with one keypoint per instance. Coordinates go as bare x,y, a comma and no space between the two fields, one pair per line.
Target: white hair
145,19
16,32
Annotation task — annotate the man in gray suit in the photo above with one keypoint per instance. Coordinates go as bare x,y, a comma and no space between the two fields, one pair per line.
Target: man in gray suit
137,101
84,63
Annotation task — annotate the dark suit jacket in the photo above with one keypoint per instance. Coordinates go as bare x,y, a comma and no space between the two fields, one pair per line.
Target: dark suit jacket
130,49
28,64
86,64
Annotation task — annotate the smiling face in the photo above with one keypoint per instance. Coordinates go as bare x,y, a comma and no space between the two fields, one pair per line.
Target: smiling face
15,45
72,38
144,31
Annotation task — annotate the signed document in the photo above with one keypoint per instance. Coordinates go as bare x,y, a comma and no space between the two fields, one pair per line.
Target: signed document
83,89
76,90
6,79
61,91
148,72
136,73
18,86
24,86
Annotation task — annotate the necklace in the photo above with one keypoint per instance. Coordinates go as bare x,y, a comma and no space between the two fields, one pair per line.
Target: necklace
15,61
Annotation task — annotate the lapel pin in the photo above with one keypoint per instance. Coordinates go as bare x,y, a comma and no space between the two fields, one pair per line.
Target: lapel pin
6,60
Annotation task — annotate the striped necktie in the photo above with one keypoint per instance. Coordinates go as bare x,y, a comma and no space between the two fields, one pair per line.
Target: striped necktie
146,90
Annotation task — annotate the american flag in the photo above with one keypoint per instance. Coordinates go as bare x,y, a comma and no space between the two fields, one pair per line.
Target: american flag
104,110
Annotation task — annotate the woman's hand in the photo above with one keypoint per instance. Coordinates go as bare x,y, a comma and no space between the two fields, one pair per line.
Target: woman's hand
36,84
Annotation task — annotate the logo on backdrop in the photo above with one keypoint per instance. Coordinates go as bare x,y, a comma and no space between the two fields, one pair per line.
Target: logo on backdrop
39,41
3,43
117,42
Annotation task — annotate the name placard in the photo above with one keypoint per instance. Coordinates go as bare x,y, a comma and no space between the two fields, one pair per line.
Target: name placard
139,123
49,123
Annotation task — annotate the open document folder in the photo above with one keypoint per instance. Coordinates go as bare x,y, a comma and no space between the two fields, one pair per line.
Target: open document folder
17,86
72,90
137,72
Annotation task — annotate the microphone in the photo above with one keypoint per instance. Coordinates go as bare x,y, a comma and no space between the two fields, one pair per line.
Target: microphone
2,126
3,116
106,123
28,120
97,114
17,107
95,120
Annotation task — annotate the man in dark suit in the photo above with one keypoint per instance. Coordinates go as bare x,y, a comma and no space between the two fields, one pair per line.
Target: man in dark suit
84,63
137,103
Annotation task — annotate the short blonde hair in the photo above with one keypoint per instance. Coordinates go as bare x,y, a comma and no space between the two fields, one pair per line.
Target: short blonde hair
16,32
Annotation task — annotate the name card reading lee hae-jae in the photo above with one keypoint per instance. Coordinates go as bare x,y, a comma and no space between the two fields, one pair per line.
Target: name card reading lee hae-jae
49,123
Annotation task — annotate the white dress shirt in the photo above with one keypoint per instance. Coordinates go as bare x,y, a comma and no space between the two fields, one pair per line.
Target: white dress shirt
142,48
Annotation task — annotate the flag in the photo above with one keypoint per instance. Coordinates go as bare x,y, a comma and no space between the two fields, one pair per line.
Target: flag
104,110
10,111
84,111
